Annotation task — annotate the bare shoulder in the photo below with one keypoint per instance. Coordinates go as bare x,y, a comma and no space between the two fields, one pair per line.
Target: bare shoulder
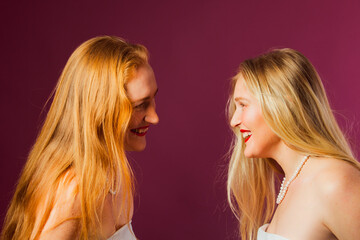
63,222
337,186
336,177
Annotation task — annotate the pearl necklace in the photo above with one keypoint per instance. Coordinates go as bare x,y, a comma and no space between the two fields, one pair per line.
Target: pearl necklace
283,189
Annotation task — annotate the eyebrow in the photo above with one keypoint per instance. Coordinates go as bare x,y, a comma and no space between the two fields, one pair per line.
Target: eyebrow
240,98
148,97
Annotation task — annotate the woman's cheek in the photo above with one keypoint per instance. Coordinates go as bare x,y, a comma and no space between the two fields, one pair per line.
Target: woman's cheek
135,119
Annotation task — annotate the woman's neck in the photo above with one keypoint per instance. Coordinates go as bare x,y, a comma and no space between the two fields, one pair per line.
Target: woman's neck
287,158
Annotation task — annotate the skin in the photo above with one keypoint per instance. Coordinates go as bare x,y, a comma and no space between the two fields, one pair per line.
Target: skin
248,116
141,91
323,201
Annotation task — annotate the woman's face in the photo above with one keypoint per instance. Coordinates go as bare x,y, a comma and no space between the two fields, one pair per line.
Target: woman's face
260,140
141,91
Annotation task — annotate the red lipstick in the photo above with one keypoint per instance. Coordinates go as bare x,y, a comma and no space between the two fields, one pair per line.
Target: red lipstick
138,132
247,138
244,131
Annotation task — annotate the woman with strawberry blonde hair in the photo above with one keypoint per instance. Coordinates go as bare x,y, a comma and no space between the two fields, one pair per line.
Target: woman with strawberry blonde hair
77,182
283,125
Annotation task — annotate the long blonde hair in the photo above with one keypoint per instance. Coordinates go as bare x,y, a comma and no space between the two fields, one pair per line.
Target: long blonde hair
295,106
83,134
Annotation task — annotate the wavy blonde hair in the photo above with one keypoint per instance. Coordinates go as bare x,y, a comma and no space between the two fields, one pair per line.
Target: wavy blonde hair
295,106
83,135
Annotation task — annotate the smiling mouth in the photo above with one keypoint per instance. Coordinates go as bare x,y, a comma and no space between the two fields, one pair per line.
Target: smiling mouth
141,131
246,134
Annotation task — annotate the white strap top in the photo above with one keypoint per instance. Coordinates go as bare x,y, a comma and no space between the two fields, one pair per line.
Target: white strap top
124,233
263,235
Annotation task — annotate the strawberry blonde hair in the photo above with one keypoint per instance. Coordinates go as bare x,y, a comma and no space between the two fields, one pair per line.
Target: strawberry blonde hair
82,139
294,105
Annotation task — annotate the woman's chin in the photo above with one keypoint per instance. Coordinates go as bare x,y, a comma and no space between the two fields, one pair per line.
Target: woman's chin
250,154
138,147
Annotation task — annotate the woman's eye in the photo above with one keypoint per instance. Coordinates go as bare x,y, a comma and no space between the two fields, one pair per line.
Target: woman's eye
141,106
241,105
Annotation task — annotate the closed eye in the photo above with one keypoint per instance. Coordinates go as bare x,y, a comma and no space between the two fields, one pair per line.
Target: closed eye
241,105
142,105
241,102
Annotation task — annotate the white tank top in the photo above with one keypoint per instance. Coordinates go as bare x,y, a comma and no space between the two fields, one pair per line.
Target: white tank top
124,233
263,235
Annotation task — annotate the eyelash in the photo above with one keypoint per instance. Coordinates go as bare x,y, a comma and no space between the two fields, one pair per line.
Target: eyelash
242,105
142,105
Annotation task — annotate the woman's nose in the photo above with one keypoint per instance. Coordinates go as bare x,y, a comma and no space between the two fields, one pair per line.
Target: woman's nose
236,119
152,117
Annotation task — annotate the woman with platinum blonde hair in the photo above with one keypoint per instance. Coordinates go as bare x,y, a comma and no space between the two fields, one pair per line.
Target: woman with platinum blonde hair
283,125
77,182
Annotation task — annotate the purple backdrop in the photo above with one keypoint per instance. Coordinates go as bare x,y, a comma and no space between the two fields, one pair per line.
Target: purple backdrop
195,49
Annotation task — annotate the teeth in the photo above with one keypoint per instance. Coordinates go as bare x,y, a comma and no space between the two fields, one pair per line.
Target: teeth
143,130
247,134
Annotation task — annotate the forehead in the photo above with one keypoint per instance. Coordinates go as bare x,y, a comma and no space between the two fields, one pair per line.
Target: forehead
142,85
240,89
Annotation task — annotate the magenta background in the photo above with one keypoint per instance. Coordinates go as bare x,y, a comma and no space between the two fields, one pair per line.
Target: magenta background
195,49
